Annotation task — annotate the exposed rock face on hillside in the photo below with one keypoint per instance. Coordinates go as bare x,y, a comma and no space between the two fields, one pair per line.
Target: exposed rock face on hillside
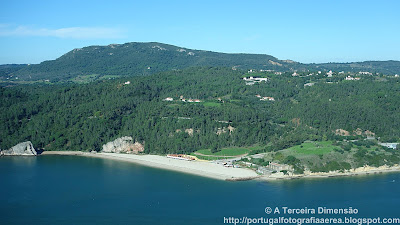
123,145
342,132
357,131
24,148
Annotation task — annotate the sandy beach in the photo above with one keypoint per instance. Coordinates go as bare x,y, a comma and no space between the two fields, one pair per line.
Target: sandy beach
200,168
215,171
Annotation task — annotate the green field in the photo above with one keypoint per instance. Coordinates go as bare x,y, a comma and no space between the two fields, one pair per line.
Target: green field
313,148
211,157
211,104
257,147
225,152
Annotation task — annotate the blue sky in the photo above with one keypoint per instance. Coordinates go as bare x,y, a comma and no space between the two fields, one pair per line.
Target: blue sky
304,31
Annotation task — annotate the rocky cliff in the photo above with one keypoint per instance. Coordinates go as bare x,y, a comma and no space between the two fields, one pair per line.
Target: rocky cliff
123,145
24,148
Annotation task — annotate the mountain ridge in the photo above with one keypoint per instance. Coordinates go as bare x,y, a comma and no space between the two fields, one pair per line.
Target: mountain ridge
145,58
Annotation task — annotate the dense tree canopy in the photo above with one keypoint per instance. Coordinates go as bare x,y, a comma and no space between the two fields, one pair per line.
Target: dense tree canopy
86,116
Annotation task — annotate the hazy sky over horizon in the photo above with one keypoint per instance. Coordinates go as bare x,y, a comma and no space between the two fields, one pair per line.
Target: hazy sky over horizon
305,31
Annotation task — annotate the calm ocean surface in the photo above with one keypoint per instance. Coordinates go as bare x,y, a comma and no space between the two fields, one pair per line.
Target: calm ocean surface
80,190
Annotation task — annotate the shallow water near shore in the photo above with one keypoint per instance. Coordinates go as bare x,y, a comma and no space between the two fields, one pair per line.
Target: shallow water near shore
55,189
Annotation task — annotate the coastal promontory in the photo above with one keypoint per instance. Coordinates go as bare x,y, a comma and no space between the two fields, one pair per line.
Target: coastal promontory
23,148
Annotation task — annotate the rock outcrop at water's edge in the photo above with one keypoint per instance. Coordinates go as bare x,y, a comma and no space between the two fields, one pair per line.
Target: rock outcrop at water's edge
24,148
123,145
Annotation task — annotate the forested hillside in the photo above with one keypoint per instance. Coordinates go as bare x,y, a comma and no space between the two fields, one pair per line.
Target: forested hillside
230,113
386,67
7,70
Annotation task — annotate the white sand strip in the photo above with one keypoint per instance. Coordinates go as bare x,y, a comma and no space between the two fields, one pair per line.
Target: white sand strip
206,169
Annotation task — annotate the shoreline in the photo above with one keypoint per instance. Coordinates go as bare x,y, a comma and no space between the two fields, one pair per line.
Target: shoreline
361,171
199,168
219,172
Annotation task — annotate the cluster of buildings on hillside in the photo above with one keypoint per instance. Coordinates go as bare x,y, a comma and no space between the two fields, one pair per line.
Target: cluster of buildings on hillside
255,71
330,73
169,99
188,100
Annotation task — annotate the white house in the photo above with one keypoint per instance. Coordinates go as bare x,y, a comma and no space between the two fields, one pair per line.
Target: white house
267,99
308,84
389,145
352,78
255,79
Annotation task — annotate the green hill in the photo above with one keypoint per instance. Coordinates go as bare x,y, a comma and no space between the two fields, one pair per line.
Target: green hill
8,69
137,59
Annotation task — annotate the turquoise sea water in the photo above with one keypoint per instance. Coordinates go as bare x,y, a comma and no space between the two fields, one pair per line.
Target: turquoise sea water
80,190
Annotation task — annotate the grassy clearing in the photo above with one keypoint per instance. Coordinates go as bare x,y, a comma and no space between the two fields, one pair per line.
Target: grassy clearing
254,148
313,148
84,78
210,158
211,104
225,152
